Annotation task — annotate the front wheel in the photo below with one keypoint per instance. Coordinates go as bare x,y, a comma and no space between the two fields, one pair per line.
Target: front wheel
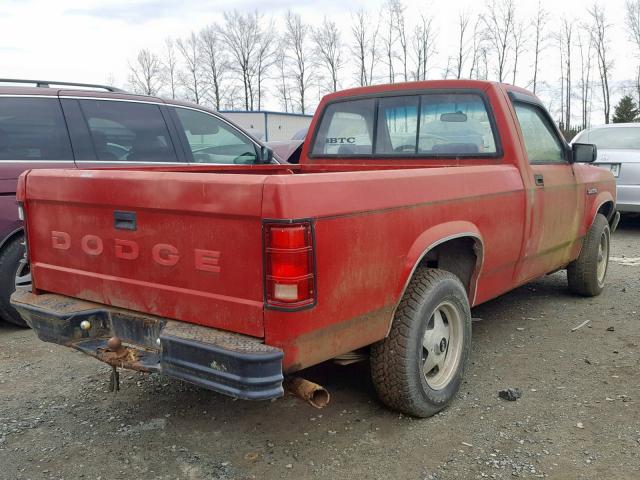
418,368
586,274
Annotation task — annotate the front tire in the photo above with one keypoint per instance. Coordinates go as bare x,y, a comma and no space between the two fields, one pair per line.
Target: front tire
587,273
418,368
11,266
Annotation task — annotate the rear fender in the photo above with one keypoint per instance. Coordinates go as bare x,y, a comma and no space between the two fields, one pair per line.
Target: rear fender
438,235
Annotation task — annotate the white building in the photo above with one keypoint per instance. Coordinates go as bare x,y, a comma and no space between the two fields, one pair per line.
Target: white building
270,126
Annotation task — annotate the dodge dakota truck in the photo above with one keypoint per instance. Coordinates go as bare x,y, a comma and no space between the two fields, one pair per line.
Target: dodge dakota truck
411,204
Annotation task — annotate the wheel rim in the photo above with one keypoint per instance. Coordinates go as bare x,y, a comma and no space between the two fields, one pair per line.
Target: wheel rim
442,346
603,257
23,276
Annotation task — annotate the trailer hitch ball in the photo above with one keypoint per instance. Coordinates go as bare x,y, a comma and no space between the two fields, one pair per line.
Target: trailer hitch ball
85,325
114,344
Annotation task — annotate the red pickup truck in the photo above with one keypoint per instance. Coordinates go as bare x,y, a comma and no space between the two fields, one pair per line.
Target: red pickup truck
411,204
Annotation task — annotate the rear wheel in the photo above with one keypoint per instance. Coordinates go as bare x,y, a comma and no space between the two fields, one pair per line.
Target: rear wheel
13,271
587,273
418,368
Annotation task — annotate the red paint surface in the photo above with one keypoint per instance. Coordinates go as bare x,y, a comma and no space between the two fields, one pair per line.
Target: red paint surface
373,221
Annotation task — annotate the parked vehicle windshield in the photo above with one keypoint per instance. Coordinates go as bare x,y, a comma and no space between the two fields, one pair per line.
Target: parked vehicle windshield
429,125
615,138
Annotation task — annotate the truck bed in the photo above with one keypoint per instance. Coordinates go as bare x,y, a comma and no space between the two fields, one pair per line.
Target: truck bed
193,251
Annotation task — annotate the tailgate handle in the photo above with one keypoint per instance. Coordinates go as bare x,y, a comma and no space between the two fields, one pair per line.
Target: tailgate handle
124,220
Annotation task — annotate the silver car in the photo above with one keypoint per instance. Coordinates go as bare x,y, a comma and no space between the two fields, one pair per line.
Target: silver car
619,151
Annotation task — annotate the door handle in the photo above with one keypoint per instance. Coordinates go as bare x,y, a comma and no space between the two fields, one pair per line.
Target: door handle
539,179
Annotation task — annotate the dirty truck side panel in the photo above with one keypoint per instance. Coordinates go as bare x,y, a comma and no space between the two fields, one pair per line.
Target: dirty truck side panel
191,252
364,243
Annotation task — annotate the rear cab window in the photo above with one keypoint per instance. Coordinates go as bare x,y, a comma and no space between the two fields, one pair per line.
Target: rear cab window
424,125
33,129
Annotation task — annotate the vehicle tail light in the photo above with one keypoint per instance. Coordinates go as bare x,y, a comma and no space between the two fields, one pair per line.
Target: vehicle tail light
290,281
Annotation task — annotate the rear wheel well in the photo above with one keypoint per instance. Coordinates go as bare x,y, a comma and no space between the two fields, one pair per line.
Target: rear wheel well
458,256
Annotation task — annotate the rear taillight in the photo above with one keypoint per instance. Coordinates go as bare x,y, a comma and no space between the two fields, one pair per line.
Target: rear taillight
289,264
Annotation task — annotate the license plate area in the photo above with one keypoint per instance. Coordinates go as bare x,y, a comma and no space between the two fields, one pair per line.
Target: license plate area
614,168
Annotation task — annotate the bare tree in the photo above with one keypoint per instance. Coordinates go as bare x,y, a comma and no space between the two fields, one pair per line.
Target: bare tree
390,37
265,55
585,46
540,37
566,32
498,26
170,66
423,46
110,79
599,31
233,97
328,48
477,45
365,46
632,22
401,35
296,40
519,34
360,47
463,25
215,61
374,54
145,74
241,34
192,79
283,87
560,40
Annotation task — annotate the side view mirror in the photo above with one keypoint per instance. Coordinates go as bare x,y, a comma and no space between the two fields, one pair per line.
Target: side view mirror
583,153
266,154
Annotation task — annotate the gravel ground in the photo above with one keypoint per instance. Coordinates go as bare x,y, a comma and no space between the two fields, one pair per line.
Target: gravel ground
579,415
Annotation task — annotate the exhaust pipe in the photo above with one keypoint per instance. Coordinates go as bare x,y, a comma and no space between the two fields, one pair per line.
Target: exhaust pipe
310,392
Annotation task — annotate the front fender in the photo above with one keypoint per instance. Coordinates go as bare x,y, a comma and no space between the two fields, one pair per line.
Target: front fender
602,198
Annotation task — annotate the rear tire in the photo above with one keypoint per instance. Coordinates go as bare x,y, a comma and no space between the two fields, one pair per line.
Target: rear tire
418,368
586,274
10,261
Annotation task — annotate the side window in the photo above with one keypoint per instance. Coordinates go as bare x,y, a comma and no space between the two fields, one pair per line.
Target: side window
346,128
540,141
128,131
33,129
455,124
214,141
397,125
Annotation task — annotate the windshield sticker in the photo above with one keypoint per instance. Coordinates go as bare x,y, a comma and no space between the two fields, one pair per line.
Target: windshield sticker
342,140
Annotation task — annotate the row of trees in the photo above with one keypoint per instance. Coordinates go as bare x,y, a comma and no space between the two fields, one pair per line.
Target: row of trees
248,56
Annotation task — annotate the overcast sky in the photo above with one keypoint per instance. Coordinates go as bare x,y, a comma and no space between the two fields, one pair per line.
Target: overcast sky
92,41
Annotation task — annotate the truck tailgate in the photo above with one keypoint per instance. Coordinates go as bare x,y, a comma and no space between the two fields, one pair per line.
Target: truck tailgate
180,245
